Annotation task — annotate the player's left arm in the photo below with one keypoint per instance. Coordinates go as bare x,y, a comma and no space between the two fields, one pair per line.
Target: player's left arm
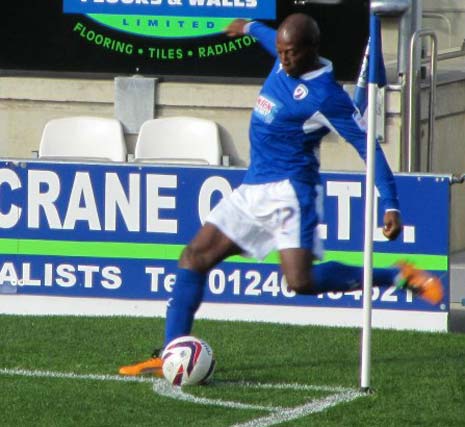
339,114
265,35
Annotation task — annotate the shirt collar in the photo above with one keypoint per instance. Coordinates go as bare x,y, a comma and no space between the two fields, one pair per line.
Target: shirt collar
326,68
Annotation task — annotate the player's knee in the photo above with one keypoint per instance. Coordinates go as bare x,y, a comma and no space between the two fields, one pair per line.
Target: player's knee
189,258
192,259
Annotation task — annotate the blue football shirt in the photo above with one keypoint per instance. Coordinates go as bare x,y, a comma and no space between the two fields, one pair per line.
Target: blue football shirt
291,116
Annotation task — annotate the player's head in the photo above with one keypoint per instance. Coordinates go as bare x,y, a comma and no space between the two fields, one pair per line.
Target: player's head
297,44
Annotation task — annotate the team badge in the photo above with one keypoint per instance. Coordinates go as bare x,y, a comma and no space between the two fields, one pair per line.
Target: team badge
300,92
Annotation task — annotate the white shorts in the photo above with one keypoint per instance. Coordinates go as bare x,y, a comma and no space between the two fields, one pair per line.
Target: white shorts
263,217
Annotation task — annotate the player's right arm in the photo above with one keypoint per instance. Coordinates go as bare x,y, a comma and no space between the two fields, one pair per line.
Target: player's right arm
338,113
265,35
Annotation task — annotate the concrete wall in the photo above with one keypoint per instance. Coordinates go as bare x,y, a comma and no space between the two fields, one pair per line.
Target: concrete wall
446,18
26,104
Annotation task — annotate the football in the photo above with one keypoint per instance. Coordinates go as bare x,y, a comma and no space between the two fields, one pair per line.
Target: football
188,361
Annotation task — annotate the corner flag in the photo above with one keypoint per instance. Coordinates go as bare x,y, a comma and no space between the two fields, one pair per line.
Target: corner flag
372,69
374,74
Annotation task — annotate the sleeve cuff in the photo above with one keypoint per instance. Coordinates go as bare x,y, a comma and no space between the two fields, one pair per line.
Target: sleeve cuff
390,205
247,27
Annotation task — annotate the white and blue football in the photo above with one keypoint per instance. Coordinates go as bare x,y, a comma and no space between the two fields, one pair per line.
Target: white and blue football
188,360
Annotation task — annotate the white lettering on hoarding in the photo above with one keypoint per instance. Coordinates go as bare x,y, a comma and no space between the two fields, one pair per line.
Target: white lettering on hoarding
10,218
52,206
210,186
82,205
156,273
152,2
43,191
224,3
127,204
344,191
241,282
156,202
254,284
201,3
61,275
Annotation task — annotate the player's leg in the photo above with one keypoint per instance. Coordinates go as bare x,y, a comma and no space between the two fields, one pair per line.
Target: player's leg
224,234
231,228
332,276
298,243
305,278
209,247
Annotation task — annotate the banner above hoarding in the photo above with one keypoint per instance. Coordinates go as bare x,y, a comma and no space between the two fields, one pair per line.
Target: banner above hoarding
169,38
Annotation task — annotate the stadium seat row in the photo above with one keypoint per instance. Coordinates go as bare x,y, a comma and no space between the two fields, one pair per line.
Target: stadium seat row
179,140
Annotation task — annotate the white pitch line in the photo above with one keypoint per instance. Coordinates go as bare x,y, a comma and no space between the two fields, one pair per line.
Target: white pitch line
71,375
309,408
160,386
294,386
163,388
276,415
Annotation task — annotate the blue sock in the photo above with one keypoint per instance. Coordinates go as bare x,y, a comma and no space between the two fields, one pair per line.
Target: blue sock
334,276
186,298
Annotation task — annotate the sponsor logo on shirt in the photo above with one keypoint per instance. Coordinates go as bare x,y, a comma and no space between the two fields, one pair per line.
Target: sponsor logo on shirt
300,92
265,109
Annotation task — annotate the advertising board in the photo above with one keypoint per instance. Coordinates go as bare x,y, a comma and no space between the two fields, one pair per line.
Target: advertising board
107,232
173,39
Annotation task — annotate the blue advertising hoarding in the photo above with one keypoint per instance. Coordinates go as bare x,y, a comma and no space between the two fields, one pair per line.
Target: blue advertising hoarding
258,9
116,231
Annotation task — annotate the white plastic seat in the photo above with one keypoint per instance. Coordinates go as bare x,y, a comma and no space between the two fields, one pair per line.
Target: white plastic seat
182,140
83,138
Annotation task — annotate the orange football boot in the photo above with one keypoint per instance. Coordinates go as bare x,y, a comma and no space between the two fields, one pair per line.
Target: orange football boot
420,282
153,366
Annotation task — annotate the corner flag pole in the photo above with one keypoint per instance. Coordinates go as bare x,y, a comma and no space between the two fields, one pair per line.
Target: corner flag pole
375,62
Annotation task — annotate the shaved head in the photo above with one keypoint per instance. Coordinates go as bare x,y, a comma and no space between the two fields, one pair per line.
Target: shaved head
300,29
297,44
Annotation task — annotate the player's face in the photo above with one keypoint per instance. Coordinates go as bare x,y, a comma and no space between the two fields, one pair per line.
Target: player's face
295,58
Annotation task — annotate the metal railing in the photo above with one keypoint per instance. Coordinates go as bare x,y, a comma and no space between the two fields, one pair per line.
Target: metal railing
412,158
412,117
458,179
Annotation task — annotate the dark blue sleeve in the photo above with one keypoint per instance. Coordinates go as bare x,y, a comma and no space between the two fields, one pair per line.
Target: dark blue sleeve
341,114
265,35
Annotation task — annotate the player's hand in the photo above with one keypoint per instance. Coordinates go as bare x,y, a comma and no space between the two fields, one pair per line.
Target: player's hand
392,224
236,28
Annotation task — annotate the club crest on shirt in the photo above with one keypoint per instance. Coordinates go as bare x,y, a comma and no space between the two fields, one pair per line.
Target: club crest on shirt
265,109
300,92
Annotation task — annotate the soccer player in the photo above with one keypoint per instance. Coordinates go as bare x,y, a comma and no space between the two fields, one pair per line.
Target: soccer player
278,204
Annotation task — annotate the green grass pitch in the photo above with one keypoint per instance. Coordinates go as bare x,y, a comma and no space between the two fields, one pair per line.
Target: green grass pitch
62,371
